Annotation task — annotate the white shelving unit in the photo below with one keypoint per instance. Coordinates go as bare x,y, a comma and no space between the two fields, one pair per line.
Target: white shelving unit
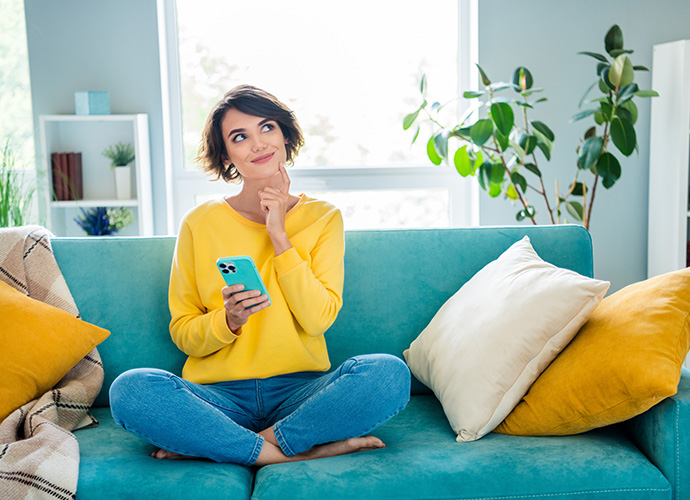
90,135
669,161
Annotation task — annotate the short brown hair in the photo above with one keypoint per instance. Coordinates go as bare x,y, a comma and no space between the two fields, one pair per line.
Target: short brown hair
252,101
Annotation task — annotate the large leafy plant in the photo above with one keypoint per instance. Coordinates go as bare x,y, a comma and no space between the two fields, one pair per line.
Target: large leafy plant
499,144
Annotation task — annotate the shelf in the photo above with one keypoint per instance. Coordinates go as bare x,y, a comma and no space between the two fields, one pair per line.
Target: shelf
90,135
94,203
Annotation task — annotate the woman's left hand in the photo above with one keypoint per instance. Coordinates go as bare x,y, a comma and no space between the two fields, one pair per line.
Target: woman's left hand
275,204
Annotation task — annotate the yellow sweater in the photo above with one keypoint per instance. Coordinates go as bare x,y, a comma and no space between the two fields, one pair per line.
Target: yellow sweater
305,285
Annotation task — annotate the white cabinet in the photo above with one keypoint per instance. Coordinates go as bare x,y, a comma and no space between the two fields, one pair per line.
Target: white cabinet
90,135
669,159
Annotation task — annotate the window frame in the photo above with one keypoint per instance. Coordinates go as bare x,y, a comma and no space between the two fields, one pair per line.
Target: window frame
183,185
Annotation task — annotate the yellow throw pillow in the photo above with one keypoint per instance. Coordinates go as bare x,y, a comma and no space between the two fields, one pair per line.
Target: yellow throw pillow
39,344
624,360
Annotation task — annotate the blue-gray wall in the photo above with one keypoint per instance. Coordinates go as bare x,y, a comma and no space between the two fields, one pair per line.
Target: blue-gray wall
113,45
99,45
545,36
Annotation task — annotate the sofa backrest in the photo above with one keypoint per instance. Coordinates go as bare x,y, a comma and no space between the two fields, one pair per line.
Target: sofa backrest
395,281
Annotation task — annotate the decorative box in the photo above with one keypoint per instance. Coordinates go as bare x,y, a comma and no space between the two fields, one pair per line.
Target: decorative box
91,103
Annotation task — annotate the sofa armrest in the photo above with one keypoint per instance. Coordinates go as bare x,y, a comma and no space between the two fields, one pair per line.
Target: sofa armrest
663,435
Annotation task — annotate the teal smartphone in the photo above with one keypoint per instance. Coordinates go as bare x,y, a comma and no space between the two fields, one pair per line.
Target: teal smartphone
241,269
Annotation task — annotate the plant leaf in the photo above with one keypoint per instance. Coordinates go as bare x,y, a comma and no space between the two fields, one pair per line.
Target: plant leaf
422,85
517,179
497,173
484,176
416,135
590,152
621,72
626,93
596,56
485,79
575,209
481,131
544,129
647,93
640,68
501,139
441,143
522,78
606,110
577,188
623,135
632,109
617,52
533,168
471,94
409,119
462,163
431,152
502,115
528,143
591,132
614,39
583,114
518,150
609,169
511,194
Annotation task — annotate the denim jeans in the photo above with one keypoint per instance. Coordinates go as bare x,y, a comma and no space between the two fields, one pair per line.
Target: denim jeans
220,421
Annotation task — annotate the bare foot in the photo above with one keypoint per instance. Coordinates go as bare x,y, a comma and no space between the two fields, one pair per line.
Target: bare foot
352,445
161,454
272,454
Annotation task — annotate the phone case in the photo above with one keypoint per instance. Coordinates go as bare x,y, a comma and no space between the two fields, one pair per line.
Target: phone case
241,269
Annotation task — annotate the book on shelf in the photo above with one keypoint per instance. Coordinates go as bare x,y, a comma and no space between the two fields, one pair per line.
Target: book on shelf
67,176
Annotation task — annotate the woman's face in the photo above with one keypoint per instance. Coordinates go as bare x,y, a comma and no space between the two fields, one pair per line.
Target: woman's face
255,145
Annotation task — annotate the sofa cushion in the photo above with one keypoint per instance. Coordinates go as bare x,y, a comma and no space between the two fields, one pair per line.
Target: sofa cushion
39,343
115,464
423,460
627,358
491,340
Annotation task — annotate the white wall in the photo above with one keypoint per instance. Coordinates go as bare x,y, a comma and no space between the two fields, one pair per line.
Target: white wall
545,36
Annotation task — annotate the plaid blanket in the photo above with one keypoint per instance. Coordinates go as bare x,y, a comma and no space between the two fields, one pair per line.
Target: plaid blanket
39,456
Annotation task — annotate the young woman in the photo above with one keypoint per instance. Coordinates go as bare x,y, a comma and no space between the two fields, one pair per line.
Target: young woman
256,389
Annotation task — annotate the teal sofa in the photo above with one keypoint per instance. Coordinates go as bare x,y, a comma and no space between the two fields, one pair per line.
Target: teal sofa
395,281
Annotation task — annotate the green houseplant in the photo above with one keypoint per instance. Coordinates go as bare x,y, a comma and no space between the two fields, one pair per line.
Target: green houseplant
15,193
505,148
121,155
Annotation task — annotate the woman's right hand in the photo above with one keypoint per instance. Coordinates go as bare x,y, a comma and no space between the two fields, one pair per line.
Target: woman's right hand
240,305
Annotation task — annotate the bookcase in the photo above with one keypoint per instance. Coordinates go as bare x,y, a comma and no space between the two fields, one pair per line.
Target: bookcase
669,150
90,135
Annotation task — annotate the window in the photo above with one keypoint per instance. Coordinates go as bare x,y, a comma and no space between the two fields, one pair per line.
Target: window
351,72
15,90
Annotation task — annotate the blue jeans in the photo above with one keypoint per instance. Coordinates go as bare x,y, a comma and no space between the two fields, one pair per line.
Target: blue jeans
220,421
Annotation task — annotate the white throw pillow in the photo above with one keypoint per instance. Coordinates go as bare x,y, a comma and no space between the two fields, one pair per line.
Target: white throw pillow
491,340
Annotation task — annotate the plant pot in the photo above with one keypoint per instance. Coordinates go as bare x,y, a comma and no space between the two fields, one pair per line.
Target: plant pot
123,182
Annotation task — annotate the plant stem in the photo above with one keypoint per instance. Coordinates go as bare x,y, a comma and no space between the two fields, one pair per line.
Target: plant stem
522,200
596,176
534,157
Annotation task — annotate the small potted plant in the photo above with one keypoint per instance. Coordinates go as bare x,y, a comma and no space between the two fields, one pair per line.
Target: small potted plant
121,155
